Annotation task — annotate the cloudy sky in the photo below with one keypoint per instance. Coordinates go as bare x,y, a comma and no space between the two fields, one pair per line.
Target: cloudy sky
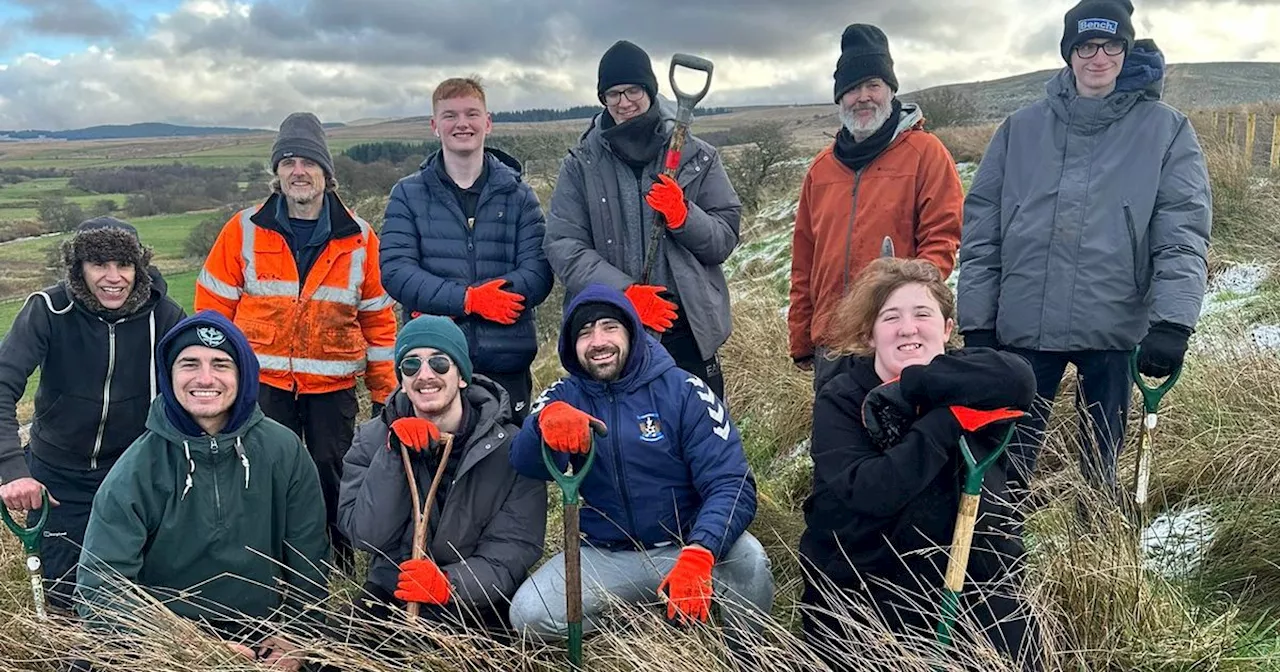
72,63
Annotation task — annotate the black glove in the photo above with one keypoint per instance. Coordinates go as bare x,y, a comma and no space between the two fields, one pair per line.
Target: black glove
1161,352
376,411
980,338
887,415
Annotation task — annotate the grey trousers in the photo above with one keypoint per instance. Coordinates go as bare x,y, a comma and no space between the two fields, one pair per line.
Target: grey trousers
741,581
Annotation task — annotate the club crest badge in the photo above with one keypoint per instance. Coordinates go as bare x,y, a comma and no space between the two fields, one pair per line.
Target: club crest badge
211,336
650,427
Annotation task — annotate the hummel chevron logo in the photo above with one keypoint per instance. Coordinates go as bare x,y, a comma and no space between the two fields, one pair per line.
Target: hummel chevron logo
715,410
543,398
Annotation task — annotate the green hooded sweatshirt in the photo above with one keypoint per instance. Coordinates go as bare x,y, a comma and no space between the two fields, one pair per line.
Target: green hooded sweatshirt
211,526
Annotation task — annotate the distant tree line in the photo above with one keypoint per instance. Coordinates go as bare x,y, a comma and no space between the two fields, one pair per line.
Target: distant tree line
172,188
577,112
16,175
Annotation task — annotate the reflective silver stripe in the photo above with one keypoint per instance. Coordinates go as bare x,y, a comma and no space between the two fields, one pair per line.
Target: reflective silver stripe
343,296
319,367
381,354
371,305
249,231
217,287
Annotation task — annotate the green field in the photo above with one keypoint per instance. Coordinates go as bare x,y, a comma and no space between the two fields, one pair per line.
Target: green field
103,155
20,200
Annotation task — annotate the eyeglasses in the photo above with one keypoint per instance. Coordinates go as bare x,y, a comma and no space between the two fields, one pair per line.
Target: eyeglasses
1110,48
633,94
411,365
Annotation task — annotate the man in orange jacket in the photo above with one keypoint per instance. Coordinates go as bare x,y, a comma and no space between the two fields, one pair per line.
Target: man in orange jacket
883,176
299,275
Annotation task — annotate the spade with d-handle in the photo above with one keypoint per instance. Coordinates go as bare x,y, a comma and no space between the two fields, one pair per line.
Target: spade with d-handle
1151,397
30,538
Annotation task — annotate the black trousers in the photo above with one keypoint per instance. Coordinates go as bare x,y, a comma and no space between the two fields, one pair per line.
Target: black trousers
63,534
1102,404
519,386
326,424
681,345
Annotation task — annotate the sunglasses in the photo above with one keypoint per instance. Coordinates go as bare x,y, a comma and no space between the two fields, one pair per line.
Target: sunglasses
412,364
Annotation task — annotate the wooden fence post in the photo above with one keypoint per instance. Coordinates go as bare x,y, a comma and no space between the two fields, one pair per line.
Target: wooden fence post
1215,124
1250,135
1275,142
1231,127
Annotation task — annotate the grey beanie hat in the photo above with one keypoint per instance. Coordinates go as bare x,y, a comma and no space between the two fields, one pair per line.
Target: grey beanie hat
301,134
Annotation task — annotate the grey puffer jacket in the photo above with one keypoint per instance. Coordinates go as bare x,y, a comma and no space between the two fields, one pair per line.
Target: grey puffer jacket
1088,221
492,527
589,239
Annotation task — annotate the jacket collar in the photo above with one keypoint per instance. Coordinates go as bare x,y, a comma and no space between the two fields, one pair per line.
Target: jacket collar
342,223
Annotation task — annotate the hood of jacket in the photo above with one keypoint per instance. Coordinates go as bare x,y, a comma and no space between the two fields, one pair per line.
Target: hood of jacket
647,359
1139,80
169,419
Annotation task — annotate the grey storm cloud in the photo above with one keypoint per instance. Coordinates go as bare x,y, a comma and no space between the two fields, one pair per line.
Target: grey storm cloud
77,18
543,32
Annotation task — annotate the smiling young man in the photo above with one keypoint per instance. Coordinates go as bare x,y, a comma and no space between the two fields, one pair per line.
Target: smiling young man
1086,231
463,238
670,491
215,512
92,336
609,197
299,275
489,522
884,176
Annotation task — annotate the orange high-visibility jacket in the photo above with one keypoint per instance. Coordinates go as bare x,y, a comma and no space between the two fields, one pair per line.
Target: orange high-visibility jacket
314,336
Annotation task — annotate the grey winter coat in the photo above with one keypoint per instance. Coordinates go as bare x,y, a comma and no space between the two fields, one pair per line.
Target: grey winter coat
1088,220
492,527
588,239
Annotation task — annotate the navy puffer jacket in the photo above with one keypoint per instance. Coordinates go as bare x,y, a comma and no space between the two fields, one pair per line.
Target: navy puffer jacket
430,257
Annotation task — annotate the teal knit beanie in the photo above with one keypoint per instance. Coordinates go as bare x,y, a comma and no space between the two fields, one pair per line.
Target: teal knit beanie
434,331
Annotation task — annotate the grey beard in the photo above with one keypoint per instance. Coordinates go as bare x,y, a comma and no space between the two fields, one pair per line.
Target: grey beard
861,132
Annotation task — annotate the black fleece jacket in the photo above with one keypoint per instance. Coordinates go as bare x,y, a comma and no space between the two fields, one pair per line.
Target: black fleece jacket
96,378
869,504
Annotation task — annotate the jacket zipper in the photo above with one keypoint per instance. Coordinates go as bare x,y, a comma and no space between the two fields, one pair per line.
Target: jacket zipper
617,465
217,495
106,393
848,241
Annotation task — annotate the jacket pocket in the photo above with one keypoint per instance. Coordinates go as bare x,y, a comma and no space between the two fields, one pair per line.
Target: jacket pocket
1140,282
348,343
257,332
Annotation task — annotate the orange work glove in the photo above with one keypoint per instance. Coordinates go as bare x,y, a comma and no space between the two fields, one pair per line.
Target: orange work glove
422,581
688,586
493,303
667,197
567,429
416,434
655,312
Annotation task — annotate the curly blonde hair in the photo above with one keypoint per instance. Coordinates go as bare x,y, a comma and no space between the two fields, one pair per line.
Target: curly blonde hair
855,316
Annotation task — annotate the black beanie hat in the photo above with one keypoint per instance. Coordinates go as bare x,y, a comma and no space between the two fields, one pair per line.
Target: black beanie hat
864,53
592,311
195,334
1097,18
301,134
625,63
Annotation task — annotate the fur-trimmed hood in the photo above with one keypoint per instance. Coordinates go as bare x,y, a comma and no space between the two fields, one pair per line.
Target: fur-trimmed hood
104,239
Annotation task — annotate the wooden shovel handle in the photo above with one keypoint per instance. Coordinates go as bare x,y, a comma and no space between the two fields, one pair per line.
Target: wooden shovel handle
421,509
961,542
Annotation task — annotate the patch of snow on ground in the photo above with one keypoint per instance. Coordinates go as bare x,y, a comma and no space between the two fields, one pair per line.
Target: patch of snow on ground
1174,543
783,209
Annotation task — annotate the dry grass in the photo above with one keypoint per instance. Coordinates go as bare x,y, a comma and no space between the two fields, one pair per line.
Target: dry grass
966,143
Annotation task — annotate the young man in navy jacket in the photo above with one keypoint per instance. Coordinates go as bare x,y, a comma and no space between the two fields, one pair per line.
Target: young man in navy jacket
670,490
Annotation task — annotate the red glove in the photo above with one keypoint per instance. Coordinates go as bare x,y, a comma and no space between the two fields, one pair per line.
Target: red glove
688,585
567,429
667,197
421,581
656,313
493,303
415,433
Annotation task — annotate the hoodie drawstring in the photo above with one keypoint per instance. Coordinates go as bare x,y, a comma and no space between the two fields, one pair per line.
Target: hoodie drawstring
244,459
191,469
152,321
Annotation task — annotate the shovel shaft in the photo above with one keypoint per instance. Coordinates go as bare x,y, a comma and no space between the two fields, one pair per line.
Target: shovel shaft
37,585
1143,476
573,583
961,542
422,510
